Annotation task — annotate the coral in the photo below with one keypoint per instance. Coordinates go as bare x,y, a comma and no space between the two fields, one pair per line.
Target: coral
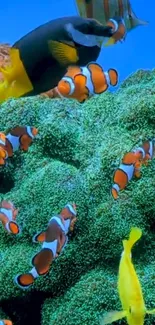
73,159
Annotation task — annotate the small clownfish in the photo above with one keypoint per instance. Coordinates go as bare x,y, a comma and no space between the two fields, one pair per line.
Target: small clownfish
130,166
18,138
129,287
119,30
3,152
8,214
54,240
5,322
81,83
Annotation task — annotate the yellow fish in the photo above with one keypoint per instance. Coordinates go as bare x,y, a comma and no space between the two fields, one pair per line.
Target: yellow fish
129,288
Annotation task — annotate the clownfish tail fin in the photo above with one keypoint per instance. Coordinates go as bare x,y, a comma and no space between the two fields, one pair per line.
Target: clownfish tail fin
24,281
135,235
113,76
13,227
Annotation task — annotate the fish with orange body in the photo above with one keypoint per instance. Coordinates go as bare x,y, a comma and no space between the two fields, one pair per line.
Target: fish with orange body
81,83
18,138
8,214
130,166
129,287
54,240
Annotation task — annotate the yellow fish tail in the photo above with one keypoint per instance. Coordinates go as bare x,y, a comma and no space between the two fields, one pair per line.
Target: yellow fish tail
134,236
16,81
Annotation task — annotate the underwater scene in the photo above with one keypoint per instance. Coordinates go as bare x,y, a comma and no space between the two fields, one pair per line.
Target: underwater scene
77,163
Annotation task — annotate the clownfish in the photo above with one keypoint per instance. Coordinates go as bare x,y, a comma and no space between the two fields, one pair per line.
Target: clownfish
119,30
8,214
54,240
40,58
3,152
81,83
130,166
19,137
5,322
129,287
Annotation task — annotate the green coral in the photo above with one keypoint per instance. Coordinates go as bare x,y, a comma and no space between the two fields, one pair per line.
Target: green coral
73,159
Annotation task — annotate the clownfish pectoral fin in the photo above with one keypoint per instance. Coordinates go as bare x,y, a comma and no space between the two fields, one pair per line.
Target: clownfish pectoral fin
113,75
151,312
39,237
63,53
113,316
24,281
13,228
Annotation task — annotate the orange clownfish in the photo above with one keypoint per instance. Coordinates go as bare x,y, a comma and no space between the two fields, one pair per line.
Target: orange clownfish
18,138
3,152
130,166
81,83
5,322
119,30
8,214
54,239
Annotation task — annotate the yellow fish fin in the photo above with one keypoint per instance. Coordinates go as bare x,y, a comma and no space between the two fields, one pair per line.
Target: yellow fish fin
16,81
151,312
65,54
111,41
135,234
113,316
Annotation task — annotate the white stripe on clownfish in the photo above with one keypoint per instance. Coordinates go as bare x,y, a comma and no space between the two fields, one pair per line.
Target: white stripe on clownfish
29,132
51,245
2,142
34,273
59,222
14,140
116,187
141,150
89,83
71,83
7,212
128,170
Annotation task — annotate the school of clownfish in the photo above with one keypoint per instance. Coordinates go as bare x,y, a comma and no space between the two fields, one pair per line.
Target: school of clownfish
69,55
